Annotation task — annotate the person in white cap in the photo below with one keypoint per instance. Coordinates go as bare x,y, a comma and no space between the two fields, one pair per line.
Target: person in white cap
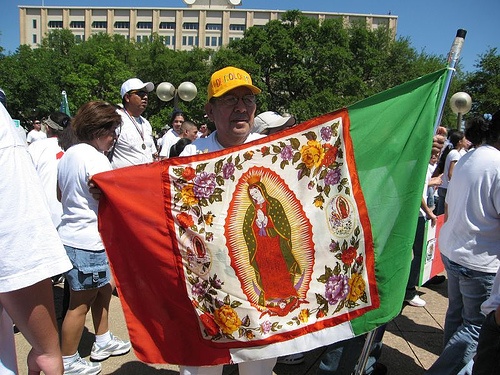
271,122
135,144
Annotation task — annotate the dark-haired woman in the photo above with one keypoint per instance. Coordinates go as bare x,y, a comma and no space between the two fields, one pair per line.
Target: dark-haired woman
447,162
173,135
469,244
89,280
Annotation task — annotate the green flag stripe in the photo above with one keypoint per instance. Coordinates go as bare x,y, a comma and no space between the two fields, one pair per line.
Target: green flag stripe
392,138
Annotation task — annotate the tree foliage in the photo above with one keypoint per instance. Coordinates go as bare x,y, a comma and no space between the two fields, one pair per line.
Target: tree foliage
308,67
304,66
484,84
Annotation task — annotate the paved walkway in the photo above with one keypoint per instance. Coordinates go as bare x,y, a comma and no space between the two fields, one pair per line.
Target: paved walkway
412,342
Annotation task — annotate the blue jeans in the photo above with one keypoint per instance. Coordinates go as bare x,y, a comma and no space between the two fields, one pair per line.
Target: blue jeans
341,358
441,200
90,269
467,290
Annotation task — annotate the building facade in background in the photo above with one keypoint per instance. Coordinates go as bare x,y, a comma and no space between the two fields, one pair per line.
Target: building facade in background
203,23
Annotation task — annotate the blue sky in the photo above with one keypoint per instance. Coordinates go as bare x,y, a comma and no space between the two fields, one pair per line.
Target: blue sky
431,25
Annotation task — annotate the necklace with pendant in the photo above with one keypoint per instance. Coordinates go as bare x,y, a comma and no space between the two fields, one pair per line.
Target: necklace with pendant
138,128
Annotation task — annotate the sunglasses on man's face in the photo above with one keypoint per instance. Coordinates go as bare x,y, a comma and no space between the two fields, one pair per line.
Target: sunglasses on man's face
140,93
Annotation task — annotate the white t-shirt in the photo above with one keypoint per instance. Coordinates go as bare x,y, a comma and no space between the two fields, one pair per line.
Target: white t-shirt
159,142
129,147
45,155
79,220
471,234
210,143
452,156
35,135
170,138
30,249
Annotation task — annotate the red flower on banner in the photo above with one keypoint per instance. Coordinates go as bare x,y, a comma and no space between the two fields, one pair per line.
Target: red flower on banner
188,173
209,323
320,314
349,255
185,220
330,154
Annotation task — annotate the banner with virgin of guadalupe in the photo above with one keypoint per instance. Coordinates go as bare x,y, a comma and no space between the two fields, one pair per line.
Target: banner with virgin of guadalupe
277,246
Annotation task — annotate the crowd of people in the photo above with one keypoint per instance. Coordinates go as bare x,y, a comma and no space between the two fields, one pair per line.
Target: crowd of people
52,175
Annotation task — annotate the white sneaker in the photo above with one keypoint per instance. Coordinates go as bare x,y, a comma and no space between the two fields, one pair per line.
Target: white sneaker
416,301
83,367
113,348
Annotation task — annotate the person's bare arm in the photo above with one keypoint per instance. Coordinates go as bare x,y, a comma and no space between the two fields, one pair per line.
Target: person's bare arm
32,310
58,192
450,169
428,212
436,181
94,190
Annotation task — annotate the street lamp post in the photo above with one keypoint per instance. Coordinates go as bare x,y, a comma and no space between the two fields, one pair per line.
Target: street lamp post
460,104
186,91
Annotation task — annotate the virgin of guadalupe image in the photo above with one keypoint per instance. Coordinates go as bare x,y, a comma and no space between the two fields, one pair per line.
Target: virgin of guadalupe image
267,234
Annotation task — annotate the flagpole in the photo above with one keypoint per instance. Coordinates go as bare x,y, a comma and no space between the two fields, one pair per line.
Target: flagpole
363,358
453,57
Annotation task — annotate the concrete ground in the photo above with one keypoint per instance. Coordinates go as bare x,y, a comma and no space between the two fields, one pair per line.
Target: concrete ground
412,342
